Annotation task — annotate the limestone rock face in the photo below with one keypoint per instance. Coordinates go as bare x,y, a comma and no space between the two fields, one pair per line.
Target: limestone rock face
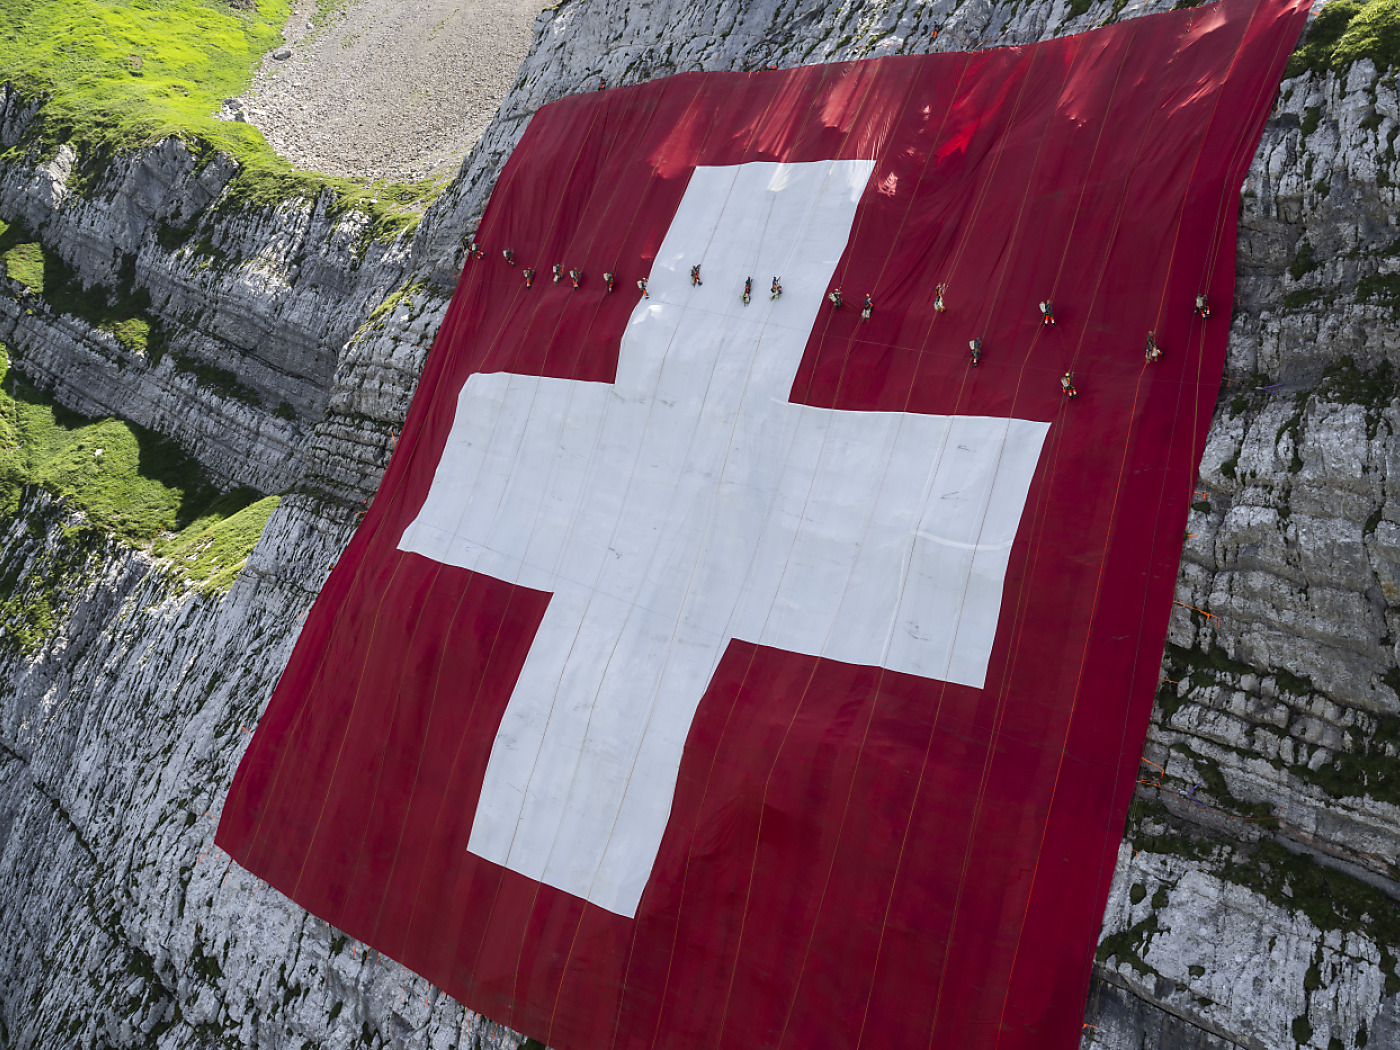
1254,902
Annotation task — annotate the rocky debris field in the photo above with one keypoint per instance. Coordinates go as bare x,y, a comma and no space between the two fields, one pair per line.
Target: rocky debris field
386,89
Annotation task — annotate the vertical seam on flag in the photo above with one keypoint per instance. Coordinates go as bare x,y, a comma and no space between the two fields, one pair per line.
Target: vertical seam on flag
1016,233
388,723
340,751
689,107
816,92
582,344
758,835
1098,588
661,1002
1051,471
458,854
880,673
442,657
496,895
569,954
1229,187
709,518
913,382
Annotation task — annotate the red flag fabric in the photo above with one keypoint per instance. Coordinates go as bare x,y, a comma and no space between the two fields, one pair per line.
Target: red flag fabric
719,666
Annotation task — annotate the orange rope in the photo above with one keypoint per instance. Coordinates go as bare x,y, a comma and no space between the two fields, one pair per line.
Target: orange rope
1194,609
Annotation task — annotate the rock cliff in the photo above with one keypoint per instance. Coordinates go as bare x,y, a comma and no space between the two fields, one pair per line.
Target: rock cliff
1254,904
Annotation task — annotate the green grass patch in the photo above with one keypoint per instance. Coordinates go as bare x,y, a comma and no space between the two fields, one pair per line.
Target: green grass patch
211,550
1301,298
127,479
25,264
27,619
392,300
122,72
119,74
1303,263
122,312
1345,32
1378,287
220,380
1330,899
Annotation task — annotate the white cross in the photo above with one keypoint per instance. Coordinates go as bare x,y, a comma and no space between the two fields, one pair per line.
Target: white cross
691,503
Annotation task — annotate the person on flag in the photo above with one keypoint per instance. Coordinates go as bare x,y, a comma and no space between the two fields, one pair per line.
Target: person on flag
1067,384
1047,313
558,272
835,296
509,256
608,278
1154,352
642,284
529,276
868,308
776,290
474,251
748,290
976,347
938,298
1202,306
695,275
575,276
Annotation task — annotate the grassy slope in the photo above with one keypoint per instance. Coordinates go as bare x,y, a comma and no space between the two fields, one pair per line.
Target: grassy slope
1346,31
140,485
116,75
121,73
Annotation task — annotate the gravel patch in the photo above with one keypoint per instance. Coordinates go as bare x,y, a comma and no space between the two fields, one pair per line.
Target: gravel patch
386,89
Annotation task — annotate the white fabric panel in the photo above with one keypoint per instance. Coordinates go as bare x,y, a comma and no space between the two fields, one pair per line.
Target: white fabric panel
689,504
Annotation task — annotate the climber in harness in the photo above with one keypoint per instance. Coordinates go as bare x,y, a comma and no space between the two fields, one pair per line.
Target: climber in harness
1154,352
975,345
695,275
748,290
576,276
642,284
776,290
608,278
1047,313
938,298
474,251
868,308
558,272
1067,385
529,276
1202,306
509,256
835,296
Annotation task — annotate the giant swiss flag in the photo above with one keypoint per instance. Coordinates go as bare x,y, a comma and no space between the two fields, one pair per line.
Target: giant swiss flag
725,669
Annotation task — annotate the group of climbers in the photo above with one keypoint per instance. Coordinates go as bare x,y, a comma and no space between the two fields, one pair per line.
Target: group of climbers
834,296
